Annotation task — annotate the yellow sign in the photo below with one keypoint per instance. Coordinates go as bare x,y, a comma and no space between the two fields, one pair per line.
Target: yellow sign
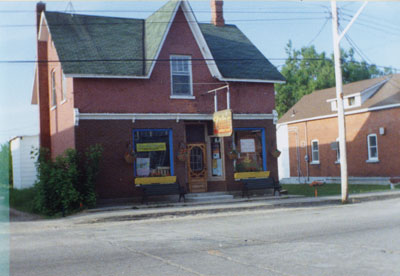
155,180
223,123
245,175
151,147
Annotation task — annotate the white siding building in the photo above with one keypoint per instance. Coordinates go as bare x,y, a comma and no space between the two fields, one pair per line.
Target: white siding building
24,171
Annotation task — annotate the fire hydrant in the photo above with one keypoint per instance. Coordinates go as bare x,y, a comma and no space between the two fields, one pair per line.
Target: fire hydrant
316,184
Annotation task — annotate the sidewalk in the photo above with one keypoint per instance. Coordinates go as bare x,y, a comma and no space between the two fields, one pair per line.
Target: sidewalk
171,209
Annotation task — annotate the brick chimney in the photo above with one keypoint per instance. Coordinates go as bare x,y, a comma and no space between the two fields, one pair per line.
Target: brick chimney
40,7
43,84
217,15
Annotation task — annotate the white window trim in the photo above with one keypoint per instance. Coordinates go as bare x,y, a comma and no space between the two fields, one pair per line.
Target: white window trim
63,88
53,99
337,161
372,159
182,97
314,162
172,96
209,159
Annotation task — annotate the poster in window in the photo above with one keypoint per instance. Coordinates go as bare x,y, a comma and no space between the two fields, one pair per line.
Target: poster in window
247,145
143,166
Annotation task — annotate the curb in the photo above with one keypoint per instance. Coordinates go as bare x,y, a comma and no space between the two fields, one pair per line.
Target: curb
191,210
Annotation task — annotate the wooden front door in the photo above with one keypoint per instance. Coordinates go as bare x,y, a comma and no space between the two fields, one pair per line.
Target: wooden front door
197,167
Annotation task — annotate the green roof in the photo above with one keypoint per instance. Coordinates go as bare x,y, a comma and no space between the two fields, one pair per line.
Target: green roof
110,46
235,55
155,28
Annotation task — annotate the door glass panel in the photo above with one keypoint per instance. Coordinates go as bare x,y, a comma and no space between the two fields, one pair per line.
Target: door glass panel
196,159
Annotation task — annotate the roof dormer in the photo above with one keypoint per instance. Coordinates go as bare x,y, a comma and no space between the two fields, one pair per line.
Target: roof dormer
357,99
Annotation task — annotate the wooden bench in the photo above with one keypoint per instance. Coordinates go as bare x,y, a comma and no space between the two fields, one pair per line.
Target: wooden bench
155,189
260,184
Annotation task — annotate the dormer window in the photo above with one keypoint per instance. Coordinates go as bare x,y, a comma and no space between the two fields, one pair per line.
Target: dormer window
351,101
181,77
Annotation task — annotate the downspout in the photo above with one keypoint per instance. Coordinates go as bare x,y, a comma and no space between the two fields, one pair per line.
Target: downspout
308,159
143,47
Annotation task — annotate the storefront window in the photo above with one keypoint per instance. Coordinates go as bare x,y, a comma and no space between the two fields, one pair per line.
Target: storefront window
153,149
249,143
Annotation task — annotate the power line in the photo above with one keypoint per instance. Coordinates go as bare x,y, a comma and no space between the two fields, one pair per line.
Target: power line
166,11
167,22
167,60
374,25
319,32
144,60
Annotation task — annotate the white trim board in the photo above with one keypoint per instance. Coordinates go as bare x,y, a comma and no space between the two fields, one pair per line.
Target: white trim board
162,116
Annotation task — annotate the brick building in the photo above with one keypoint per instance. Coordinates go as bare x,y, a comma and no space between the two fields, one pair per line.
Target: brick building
309,130
141,85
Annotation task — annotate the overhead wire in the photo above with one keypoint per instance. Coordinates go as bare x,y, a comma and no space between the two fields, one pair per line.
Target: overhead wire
167,22
319,32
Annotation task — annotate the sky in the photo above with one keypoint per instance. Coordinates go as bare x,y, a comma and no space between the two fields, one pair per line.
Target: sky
268,24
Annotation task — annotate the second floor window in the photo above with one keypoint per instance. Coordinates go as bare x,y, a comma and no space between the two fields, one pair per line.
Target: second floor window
53,88
64,88
181,76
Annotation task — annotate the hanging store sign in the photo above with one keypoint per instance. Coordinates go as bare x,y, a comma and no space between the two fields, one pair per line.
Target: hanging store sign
223,126
142,147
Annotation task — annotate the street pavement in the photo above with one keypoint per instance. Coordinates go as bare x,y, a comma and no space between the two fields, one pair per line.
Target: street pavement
290,237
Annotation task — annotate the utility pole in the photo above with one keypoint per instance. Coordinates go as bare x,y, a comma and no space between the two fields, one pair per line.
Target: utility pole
339,96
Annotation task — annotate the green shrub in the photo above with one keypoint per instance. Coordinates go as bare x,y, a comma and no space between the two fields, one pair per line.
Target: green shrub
67,183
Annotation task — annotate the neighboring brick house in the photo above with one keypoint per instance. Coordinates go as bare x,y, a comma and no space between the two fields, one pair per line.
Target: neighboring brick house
372,115
143,83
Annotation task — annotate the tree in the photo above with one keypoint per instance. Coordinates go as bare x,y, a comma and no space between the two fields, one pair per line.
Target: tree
307,70
5,165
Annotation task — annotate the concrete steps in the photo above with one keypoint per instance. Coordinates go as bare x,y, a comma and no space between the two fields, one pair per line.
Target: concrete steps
208,197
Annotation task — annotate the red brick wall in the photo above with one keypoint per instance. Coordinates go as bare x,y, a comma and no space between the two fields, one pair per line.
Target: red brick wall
62,116
153,95
358,126
116,176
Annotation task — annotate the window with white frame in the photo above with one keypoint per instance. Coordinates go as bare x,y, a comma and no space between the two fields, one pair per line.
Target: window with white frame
315,151
181,76
351,101
337,151
64,88
372,147
53,89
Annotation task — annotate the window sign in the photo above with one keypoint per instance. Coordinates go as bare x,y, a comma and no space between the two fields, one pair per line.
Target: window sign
141,147
143,166
250,146
247,145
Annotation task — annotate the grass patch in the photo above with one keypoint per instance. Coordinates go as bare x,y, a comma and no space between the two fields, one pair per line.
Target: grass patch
22,200
331,189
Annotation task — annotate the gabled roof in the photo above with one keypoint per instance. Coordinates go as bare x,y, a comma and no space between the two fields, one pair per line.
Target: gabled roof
235,55
98,46
94,45
316,105
156,28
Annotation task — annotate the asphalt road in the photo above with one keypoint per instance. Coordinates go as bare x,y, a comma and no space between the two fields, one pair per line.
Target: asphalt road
357,239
